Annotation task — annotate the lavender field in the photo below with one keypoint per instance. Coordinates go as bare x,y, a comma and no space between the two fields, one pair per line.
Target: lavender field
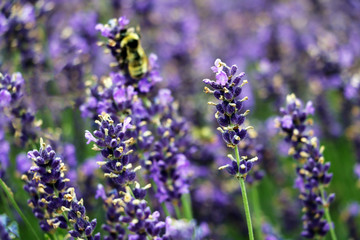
179,119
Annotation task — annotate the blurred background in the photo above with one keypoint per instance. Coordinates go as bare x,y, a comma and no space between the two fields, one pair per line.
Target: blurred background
310,48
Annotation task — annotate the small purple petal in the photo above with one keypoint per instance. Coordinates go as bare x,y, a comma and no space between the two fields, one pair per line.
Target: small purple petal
221,78
89,137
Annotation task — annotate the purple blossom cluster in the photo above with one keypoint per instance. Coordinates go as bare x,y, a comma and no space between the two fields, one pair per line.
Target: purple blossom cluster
12,89
181,229
229,113
15,109
111,141
14,116
52,201
169,168
312,171
125,203
159,132
17,26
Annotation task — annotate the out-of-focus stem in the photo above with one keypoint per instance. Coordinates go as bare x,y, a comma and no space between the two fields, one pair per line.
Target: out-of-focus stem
50,236
177,210
55,236
327,215
163,205
166,211
245,199
257,212
186,202
6,205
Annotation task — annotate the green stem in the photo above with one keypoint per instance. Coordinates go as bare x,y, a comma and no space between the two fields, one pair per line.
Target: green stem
237,155
246,206
50,236
327,214
6,205
257,212
166,211
163,205
13,202
131,192
55,236
177,211
186,202
245,199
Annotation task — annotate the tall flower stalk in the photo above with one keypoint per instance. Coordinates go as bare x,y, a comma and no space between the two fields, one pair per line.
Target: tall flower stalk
312,171
251,147
230,116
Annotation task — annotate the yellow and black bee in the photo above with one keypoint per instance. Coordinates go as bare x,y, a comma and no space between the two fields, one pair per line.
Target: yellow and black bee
133,56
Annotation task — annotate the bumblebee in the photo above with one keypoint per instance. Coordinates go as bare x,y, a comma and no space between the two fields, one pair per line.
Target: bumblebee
133,55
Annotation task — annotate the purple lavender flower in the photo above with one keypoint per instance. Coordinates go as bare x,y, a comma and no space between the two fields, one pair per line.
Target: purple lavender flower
111,141
13,115
140,220
90,166
73,48
269,232
123,203
69,159
16,110
168,167
229,111
230,118
229,114
51,197
352,88
114,95
23,163
12,89
182,229
18,25
163,146
312,172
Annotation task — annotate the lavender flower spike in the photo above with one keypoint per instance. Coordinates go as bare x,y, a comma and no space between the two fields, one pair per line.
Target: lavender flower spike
312,170
125,202
111,140
52,201
229,114
230,117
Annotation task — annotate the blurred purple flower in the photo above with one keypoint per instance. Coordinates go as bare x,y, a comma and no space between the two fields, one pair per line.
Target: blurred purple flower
100,192
23,163
165,96
5,98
